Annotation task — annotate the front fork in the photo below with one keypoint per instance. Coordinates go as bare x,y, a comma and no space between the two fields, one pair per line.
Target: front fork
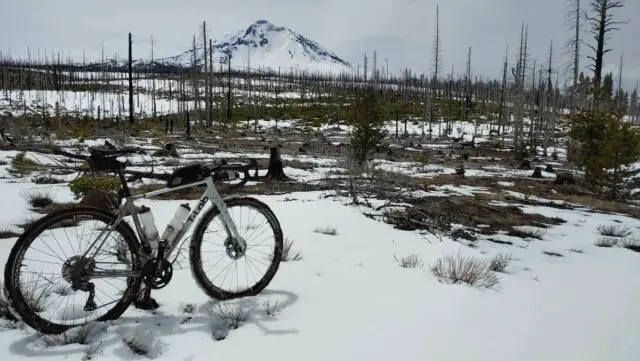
232,231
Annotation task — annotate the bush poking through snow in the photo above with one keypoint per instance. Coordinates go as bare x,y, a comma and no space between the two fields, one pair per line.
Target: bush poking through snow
614,230
28,222
272,309
410,261
499,262
94,350
62,289
328,230
606,242
231,316
5,312
460,269
6,232
38,198
288,254
47,180
631,244
83,335
35,294
552,254
121,251
23,165
526,232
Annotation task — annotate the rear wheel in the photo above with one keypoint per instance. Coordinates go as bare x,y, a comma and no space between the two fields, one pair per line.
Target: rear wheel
222,273
52,298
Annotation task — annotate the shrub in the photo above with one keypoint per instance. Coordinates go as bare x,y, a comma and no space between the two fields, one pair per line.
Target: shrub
6,232
272,309
552,254
38,198
4,306
288,254
47,180
606,242
23,165
81,186
499,262
230,316
526,232
92,351
83,335
410,261
632,244
459,269
35,294
614,230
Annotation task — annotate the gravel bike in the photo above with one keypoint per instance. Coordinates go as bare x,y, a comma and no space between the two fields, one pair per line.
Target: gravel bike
138,258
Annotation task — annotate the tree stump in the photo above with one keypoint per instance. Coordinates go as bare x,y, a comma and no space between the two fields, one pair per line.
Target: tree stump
173,150
537,173
5,142
275,171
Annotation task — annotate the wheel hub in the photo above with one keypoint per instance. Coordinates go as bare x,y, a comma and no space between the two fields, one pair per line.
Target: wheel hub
76,268
234,250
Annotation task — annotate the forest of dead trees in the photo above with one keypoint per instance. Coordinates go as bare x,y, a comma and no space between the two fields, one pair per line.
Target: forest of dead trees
214,95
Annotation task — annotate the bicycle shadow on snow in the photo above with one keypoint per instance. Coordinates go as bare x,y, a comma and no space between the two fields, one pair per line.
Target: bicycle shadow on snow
150,328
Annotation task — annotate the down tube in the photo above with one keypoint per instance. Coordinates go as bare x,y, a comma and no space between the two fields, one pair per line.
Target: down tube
190,219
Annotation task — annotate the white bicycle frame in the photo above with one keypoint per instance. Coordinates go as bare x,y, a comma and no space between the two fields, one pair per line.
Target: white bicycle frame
209,195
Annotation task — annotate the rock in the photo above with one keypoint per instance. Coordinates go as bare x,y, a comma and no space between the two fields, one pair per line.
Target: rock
549,169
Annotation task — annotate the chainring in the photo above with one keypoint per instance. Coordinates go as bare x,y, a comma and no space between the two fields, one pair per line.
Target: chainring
157,273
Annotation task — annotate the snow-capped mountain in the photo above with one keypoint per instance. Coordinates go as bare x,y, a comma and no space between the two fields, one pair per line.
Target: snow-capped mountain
265,45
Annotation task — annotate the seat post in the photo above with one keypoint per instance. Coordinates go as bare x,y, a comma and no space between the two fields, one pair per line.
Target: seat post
125,187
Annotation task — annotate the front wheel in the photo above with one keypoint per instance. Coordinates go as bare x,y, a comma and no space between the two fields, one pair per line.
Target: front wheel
220,272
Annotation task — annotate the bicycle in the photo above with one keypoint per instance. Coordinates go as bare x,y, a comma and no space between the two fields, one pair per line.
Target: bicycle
147,257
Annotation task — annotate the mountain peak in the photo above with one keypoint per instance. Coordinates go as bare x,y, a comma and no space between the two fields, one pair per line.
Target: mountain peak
266,45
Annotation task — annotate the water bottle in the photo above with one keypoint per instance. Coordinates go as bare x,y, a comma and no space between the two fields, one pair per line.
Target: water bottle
169,234
149,226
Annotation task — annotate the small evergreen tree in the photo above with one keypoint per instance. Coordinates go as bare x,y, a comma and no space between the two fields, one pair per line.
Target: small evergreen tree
367,123
604,146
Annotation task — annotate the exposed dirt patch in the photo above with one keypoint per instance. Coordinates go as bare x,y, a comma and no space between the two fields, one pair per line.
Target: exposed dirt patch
468,211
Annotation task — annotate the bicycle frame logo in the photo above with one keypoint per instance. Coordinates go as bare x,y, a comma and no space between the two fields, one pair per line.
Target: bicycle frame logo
198,209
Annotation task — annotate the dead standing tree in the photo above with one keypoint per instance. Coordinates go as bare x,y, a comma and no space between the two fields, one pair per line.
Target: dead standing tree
601,25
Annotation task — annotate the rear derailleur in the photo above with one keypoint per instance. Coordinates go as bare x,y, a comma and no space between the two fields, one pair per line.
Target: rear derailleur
74,271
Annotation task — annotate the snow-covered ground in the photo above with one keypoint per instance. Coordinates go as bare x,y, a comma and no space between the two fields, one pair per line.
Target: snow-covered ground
560,298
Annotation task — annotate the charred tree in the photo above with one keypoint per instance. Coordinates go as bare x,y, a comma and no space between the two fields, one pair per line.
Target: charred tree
130,80
275,171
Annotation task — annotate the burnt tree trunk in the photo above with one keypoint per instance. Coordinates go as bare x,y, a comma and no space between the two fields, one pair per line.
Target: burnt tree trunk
275,171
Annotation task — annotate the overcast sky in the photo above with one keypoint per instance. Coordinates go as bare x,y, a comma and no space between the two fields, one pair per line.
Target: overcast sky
400,30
